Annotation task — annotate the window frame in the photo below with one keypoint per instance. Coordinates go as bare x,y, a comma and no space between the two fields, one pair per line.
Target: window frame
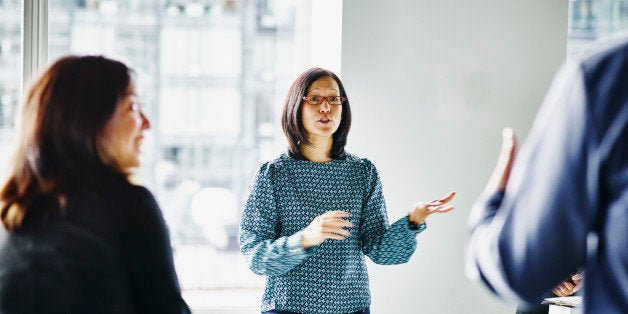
34,38
35,53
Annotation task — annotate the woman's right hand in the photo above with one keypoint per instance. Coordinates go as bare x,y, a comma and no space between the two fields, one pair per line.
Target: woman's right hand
329,225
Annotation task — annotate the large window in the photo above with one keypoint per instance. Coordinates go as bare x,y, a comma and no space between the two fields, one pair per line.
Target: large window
590,20
10,73
213,74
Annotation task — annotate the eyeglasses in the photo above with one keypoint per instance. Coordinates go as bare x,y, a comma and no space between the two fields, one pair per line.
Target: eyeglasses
316,100
137,106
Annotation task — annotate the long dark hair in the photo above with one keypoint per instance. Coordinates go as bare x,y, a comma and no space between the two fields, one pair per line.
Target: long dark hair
291,117
60,143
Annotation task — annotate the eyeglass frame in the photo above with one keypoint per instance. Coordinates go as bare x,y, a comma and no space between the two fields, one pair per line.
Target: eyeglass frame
137,106
325,99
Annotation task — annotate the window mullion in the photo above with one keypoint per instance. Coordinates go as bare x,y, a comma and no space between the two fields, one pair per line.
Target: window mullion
34,37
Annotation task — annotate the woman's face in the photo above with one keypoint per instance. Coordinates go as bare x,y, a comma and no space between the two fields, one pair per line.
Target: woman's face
321,120
123,132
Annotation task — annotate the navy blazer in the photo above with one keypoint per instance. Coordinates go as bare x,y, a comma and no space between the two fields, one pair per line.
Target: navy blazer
566,203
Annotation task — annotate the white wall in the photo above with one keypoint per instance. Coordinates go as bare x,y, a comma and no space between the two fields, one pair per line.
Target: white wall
432,83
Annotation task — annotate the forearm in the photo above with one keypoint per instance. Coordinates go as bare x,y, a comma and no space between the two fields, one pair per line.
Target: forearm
396,245
272,257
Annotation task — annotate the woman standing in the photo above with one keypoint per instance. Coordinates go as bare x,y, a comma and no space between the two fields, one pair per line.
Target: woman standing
315,211
78,236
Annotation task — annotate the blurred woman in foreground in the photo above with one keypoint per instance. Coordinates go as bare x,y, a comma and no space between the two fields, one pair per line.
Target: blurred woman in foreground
78,236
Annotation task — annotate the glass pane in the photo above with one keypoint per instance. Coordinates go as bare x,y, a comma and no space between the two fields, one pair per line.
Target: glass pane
594,19
213,75
10,73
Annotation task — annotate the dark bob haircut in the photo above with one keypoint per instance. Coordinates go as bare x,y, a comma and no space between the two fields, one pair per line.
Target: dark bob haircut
291,117
61,140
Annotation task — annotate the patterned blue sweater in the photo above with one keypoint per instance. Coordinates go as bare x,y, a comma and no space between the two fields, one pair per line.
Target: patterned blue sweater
286,195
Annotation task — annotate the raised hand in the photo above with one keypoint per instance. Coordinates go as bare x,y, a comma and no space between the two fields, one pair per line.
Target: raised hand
329,225
501,173
437,206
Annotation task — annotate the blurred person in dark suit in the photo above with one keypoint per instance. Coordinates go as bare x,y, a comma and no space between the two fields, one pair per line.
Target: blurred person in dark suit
563,203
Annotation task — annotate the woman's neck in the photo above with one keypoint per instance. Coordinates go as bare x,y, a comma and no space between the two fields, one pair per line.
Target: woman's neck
319,149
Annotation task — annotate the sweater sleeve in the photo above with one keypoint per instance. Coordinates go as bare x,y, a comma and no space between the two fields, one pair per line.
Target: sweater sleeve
146,245
383,243
264,250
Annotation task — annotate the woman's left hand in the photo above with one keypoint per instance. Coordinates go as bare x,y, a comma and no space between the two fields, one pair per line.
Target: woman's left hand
422,211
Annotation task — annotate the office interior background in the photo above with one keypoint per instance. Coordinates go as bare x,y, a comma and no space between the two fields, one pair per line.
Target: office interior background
431,83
